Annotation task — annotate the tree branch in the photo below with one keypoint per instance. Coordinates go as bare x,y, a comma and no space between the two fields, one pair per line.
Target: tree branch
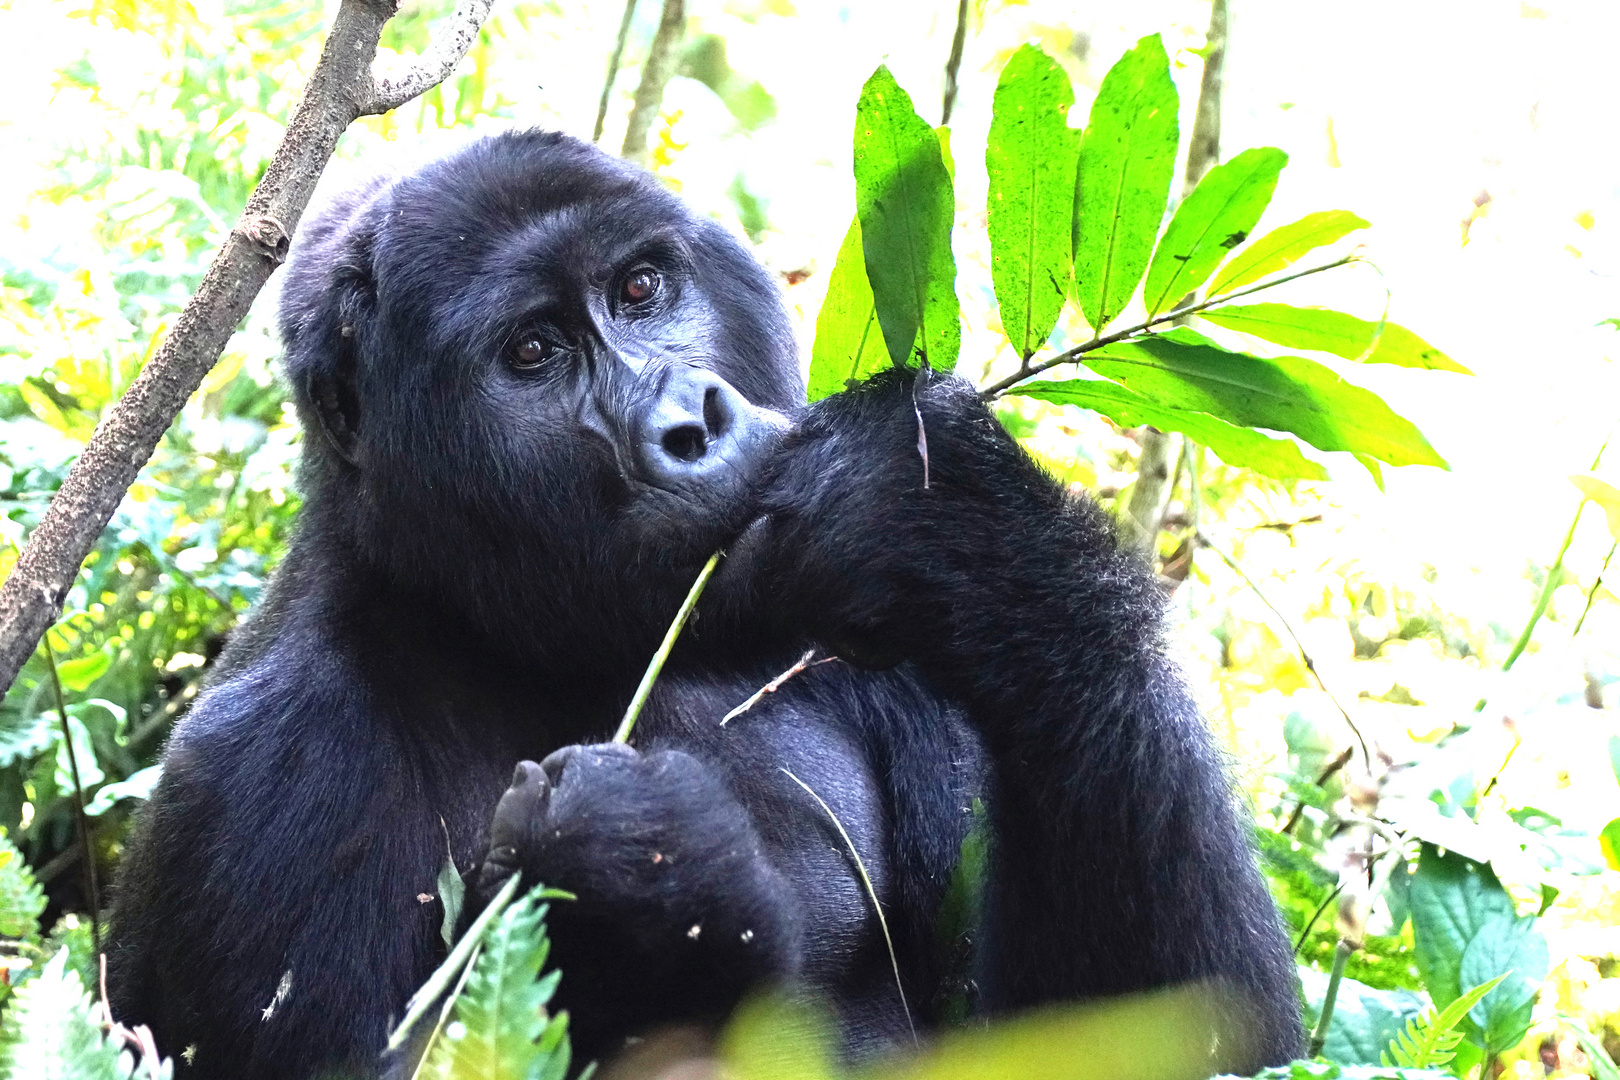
450,42
341,90
613,69
655,75
954,63
1028,371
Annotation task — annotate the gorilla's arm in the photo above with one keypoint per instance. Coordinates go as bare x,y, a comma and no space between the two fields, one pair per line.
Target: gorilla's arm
1121,862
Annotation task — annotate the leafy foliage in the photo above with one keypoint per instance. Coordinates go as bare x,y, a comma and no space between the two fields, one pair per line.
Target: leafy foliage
48,1034
1430,1041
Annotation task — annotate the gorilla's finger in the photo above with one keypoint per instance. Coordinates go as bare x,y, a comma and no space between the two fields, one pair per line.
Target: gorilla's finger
522,805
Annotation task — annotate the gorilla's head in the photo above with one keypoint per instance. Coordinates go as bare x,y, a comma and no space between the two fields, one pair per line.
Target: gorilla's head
528,373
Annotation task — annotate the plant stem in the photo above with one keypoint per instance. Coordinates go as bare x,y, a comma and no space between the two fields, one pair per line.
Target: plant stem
650,676
996,389
1341,956
453,964
1591,593
92,885
613,69
954,63
1555,575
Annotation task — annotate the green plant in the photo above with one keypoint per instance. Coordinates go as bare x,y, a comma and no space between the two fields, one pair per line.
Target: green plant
1430,1040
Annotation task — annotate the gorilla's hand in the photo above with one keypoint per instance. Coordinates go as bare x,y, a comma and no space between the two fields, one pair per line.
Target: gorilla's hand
677,905
895,511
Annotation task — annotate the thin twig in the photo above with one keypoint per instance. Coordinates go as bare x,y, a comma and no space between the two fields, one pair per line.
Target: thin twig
995,390
1304,653
613,69
650,676
92,886
954,64
459,958
801,664
656,72
1333,766
866,880
1591,594
444,1013
395,84
1317,914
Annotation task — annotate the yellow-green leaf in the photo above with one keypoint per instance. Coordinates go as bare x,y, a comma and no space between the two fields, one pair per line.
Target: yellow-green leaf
1282,247
1214,219
1030,158
849,342
1284,393
1333,332
1127,160
906,206
1605,495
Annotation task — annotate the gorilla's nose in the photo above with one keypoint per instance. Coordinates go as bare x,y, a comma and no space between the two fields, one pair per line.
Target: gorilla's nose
698,429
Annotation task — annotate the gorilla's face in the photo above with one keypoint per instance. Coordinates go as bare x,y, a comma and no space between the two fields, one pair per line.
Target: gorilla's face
535,353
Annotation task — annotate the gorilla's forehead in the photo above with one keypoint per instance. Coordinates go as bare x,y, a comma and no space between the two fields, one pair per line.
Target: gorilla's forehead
519,210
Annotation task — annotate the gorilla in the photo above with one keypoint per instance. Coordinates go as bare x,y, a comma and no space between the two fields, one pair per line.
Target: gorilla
537,393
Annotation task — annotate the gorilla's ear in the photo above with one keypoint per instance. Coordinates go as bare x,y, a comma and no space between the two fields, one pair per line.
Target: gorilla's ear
328,309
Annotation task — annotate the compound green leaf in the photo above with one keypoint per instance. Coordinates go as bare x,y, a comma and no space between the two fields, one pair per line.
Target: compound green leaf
849,343
1333,332
1286,393
47,1033
1127,160
906,206
1218,216
1030,158
1282,247
1234,445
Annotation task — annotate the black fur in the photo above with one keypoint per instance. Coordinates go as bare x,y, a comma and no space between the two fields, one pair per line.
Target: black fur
487,559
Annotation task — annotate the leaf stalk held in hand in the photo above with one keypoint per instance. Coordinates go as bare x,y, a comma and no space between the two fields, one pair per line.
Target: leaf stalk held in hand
648,678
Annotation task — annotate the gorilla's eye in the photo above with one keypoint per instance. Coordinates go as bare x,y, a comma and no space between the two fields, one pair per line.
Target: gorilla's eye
640,286
528,350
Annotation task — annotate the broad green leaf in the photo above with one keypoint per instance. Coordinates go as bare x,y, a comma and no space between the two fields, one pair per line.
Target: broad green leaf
1218,216
849,344
1451,899
1030,157
500,1016
1607,496
1127,160
77,675
1609,843
47,1033
1186,370
1513,947
1234,445
1333,332
1282,247
906,207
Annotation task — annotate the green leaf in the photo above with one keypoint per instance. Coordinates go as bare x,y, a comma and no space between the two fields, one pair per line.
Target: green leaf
1234,445
77,675
1127,160
906,207
1364,1020
849,344
1451,898
1514,950
47,1033
1607,496
1214,219
1184,369
452,894
1603,1066
501,1022
1430,1040
22,901
1333,332
1282,247
1030,157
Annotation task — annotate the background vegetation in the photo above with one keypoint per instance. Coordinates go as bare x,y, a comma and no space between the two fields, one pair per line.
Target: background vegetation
1478,836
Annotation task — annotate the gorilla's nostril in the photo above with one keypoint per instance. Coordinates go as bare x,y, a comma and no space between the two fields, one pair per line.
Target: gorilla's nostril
688,442
715,414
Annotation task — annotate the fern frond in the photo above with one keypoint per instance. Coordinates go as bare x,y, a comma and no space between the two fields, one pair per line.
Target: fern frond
501,1029
47,1033
21,898
1430,1039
